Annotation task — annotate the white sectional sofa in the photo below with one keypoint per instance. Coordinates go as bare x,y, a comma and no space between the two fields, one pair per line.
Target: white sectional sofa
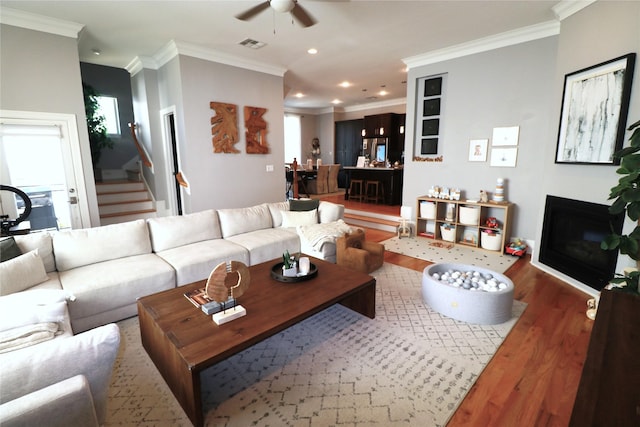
106,269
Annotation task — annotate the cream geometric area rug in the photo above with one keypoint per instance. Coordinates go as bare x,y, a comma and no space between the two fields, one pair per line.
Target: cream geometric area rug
443,252
408,366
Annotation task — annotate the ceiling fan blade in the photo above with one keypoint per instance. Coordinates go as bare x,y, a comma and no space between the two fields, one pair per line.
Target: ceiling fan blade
301,14
245,16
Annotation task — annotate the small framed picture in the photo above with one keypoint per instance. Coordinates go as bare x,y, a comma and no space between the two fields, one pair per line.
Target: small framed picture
504,157
478,150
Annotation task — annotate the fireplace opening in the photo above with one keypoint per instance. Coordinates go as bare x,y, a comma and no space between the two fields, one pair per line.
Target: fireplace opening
571,235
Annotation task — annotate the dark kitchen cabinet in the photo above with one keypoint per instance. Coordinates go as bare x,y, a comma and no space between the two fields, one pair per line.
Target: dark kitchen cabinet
348,142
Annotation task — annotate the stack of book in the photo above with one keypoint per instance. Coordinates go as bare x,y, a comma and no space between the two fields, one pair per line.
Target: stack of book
200,299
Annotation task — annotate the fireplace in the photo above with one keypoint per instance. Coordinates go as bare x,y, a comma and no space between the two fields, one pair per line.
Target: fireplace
571,236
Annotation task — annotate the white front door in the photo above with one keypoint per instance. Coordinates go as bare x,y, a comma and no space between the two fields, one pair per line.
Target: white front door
40,155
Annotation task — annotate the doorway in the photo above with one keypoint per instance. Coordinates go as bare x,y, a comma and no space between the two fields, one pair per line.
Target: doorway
40,155
174,187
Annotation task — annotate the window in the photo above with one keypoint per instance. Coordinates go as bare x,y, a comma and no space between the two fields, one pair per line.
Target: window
109,109
292,139
429,107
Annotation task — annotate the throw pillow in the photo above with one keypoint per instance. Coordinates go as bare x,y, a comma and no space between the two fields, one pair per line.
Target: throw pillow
16,317
294,219
21,273
303,205
9,249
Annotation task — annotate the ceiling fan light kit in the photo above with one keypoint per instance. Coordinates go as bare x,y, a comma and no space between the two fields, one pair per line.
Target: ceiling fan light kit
282,6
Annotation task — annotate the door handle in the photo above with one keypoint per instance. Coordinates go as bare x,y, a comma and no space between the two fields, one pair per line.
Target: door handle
73,200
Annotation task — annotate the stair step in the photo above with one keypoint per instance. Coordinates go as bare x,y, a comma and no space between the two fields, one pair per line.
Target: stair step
127,216
119,207
372,220
119,197
109,187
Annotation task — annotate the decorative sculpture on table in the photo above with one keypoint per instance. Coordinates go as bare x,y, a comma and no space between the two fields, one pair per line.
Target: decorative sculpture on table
224,127
222,288
315,148
256,130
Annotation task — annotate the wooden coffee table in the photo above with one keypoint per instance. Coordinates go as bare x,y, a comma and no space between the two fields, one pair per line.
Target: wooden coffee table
182,341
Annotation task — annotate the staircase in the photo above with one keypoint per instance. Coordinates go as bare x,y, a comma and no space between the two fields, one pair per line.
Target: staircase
122,201
372,220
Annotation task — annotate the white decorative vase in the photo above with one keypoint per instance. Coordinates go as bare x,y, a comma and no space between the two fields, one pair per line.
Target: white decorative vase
290,272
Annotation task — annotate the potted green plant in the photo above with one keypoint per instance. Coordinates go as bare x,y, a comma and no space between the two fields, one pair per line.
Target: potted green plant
627,198
98,137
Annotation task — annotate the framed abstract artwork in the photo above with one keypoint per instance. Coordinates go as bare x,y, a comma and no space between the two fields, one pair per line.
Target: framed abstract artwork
595,102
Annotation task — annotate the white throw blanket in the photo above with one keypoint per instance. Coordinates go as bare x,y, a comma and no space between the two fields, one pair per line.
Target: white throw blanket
319,234
24,336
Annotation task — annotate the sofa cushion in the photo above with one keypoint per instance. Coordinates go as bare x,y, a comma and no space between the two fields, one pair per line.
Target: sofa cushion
63,404
111,284
264,245
43,243
196,261
276,209
173,231
22,272
303,205
77,248
9,249
330,212
91,354
244,220
294,219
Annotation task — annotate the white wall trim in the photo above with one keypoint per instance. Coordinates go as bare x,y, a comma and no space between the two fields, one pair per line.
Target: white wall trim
175,48
139,63
508,38
45,24
566,8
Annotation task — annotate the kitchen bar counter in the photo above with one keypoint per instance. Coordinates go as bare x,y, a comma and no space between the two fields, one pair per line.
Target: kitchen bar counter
390,178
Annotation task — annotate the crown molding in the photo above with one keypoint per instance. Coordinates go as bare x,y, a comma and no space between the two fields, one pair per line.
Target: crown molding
138,63
508,38
378,104
566,8
45,24
175,48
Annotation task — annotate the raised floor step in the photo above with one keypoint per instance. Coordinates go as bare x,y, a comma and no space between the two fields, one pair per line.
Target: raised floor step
372,220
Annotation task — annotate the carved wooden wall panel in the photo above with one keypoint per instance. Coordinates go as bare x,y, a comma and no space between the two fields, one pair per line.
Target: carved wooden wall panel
256,130
224,127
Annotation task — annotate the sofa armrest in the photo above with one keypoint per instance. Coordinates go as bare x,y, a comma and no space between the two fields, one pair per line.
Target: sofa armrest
66,403
91,354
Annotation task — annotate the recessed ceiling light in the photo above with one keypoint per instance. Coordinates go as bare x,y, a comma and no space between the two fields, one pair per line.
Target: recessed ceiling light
345,84
383,93
96,52
336,101
299,95
312,51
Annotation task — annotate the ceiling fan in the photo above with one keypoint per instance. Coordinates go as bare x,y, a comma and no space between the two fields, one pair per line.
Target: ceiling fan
282,6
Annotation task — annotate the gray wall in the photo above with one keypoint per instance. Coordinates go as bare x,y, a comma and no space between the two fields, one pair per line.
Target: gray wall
40,72
602,31
522,86
224,180
511,86
115,82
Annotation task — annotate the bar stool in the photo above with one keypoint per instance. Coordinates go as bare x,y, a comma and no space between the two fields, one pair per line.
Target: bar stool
374,192
356,184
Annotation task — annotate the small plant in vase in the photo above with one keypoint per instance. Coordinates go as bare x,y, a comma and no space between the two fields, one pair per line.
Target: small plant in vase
289,268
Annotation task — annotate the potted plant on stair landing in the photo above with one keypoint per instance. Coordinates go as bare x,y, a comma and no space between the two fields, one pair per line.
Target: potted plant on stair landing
98,137
627,197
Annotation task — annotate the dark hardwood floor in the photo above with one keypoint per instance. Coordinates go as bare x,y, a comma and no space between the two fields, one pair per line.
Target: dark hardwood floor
533,378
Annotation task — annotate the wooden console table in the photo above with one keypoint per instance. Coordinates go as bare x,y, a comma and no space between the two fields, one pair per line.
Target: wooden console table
609,390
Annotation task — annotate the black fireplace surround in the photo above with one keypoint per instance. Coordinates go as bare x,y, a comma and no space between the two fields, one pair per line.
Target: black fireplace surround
571,236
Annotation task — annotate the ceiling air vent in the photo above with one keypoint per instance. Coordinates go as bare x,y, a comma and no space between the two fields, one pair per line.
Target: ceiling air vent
252,44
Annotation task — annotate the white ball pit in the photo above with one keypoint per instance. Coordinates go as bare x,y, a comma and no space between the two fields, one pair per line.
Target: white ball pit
473,306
